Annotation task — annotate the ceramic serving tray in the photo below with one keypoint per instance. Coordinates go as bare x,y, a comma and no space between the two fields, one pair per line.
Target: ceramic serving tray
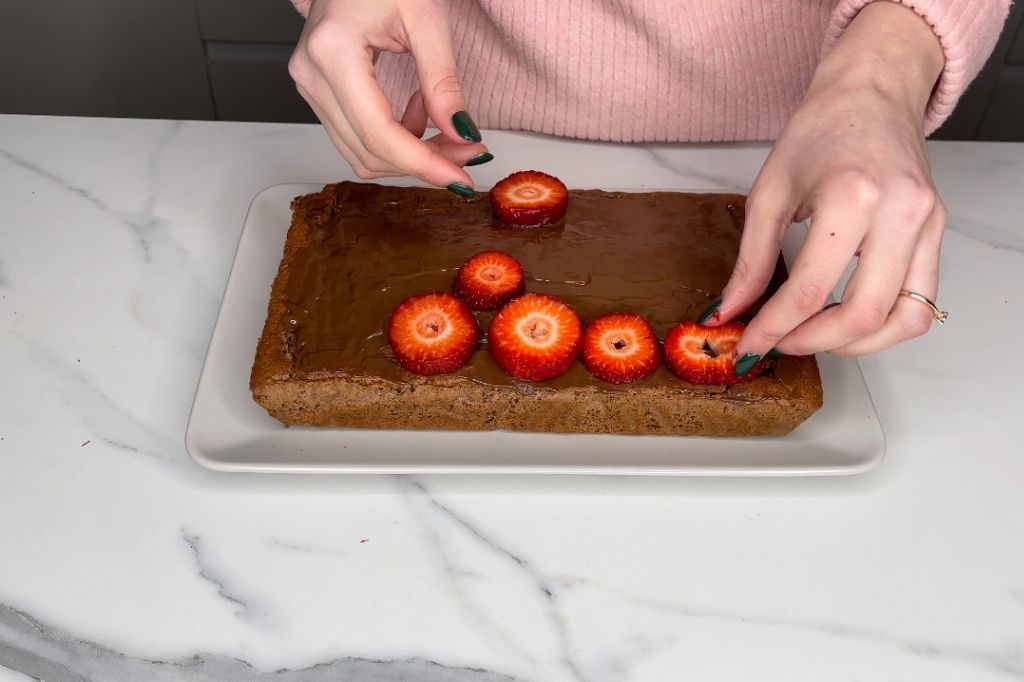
228,431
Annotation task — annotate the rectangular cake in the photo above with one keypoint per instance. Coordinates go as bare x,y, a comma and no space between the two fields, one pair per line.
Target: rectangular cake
354,251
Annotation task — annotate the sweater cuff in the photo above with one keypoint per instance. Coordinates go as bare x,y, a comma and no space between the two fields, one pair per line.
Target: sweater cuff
302,6
967,31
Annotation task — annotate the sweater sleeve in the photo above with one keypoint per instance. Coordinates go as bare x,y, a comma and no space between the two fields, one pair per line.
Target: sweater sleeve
302,6
967,31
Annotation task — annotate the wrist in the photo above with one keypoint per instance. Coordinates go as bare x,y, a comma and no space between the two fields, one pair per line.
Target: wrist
887,50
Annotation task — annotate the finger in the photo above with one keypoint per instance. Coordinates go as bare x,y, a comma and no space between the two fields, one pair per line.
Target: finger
884,258
415,117
768,216
453,151
331,129
368,112
306,78
909,318
833,238
344,138
431,45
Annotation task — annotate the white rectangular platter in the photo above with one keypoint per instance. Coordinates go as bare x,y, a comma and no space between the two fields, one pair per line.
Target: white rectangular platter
228,431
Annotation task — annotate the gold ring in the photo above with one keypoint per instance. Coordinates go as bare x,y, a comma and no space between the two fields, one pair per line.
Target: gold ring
940,315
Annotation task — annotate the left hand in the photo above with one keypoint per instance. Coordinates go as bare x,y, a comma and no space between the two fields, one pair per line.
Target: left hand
853,159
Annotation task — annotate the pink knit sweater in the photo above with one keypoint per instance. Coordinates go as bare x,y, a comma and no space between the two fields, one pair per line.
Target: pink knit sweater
668,70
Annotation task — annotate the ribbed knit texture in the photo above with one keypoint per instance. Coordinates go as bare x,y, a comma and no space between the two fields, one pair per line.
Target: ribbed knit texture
668,70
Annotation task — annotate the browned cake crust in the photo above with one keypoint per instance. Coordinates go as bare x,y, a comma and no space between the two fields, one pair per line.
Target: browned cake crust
299,380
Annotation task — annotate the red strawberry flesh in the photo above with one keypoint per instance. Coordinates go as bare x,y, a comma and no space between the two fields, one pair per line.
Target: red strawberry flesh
535,337
432,333
704,355
529,198
489,280
620,348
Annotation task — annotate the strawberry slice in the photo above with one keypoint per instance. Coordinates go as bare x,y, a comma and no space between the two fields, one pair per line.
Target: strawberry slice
529,198
432,333
489,280
620,348
535,337
704,355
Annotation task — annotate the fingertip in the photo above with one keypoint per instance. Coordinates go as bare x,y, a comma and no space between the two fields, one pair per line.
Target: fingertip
746,285
730,307
459,178
478,159
754,341
711,315
465,127
459,153
461,189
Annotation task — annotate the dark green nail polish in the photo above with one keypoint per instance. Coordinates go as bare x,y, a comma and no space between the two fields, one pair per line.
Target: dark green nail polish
709,311
775,353
461,189
465,126
744,363
482,157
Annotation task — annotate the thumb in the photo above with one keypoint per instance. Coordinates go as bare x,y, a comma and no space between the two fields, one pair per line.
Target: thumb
768,216
431,45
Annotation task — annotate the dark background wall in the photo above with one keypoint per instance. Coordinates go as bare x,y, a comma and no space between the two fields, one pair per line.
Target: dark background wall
227,59
191,59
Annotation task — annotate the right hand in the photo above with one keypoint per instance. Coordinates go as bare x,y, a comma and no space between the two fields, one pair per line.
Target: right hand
333,70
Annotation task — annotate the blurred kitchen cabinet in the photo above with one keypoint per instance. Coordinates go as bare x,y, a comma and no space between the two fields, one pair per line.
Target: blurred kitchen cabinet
250,82
1004,118
187,59
248,21
247,45
137,58
993,105
1016,54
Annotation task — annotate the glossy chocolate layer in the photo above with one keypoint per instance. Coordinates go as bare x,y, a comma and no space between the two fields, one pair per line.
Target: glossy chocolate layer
664,255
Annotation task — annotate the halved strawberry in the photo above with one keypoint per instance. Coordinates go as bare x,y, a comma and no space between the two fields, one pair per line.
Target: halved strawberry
489,280
704,355
535,337
432,333
620,348
529,198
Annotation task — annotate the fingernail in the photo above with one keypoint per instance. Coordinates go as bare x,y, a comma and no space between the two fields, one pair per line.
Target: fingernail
775,353
745,363
482,157
709,311
461,189
465,126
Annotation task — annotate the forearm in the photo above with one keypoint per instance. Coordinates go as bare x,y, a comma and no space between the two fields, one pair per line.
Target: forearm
887,47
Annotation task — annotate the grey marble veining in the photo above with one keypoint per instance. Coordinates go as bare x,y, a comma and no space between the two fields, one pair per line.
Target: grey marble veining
242,607
42,652
121,560
102,417
998,237
307,548
1007,660
540,583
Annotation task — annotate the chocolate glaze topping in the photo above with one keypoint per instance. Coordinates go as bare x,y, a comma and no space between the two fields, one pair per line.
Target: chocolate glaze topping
664,255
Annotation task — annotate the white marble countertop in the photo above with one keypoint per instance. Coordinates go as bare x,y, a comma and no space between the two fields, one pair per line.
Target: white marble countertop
121,559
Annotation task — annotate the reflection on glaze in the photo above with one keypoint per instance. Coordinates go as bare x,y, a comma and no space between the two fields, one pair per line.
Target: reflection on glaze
664,255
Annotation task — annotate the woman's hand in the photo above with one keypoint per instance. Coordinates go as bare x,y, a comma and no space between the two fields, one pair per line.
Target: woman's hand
333,69
852,159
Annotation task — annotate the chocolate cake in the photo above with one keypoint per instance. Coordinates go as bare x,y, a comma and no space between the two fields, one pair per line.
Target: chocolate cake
354,251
